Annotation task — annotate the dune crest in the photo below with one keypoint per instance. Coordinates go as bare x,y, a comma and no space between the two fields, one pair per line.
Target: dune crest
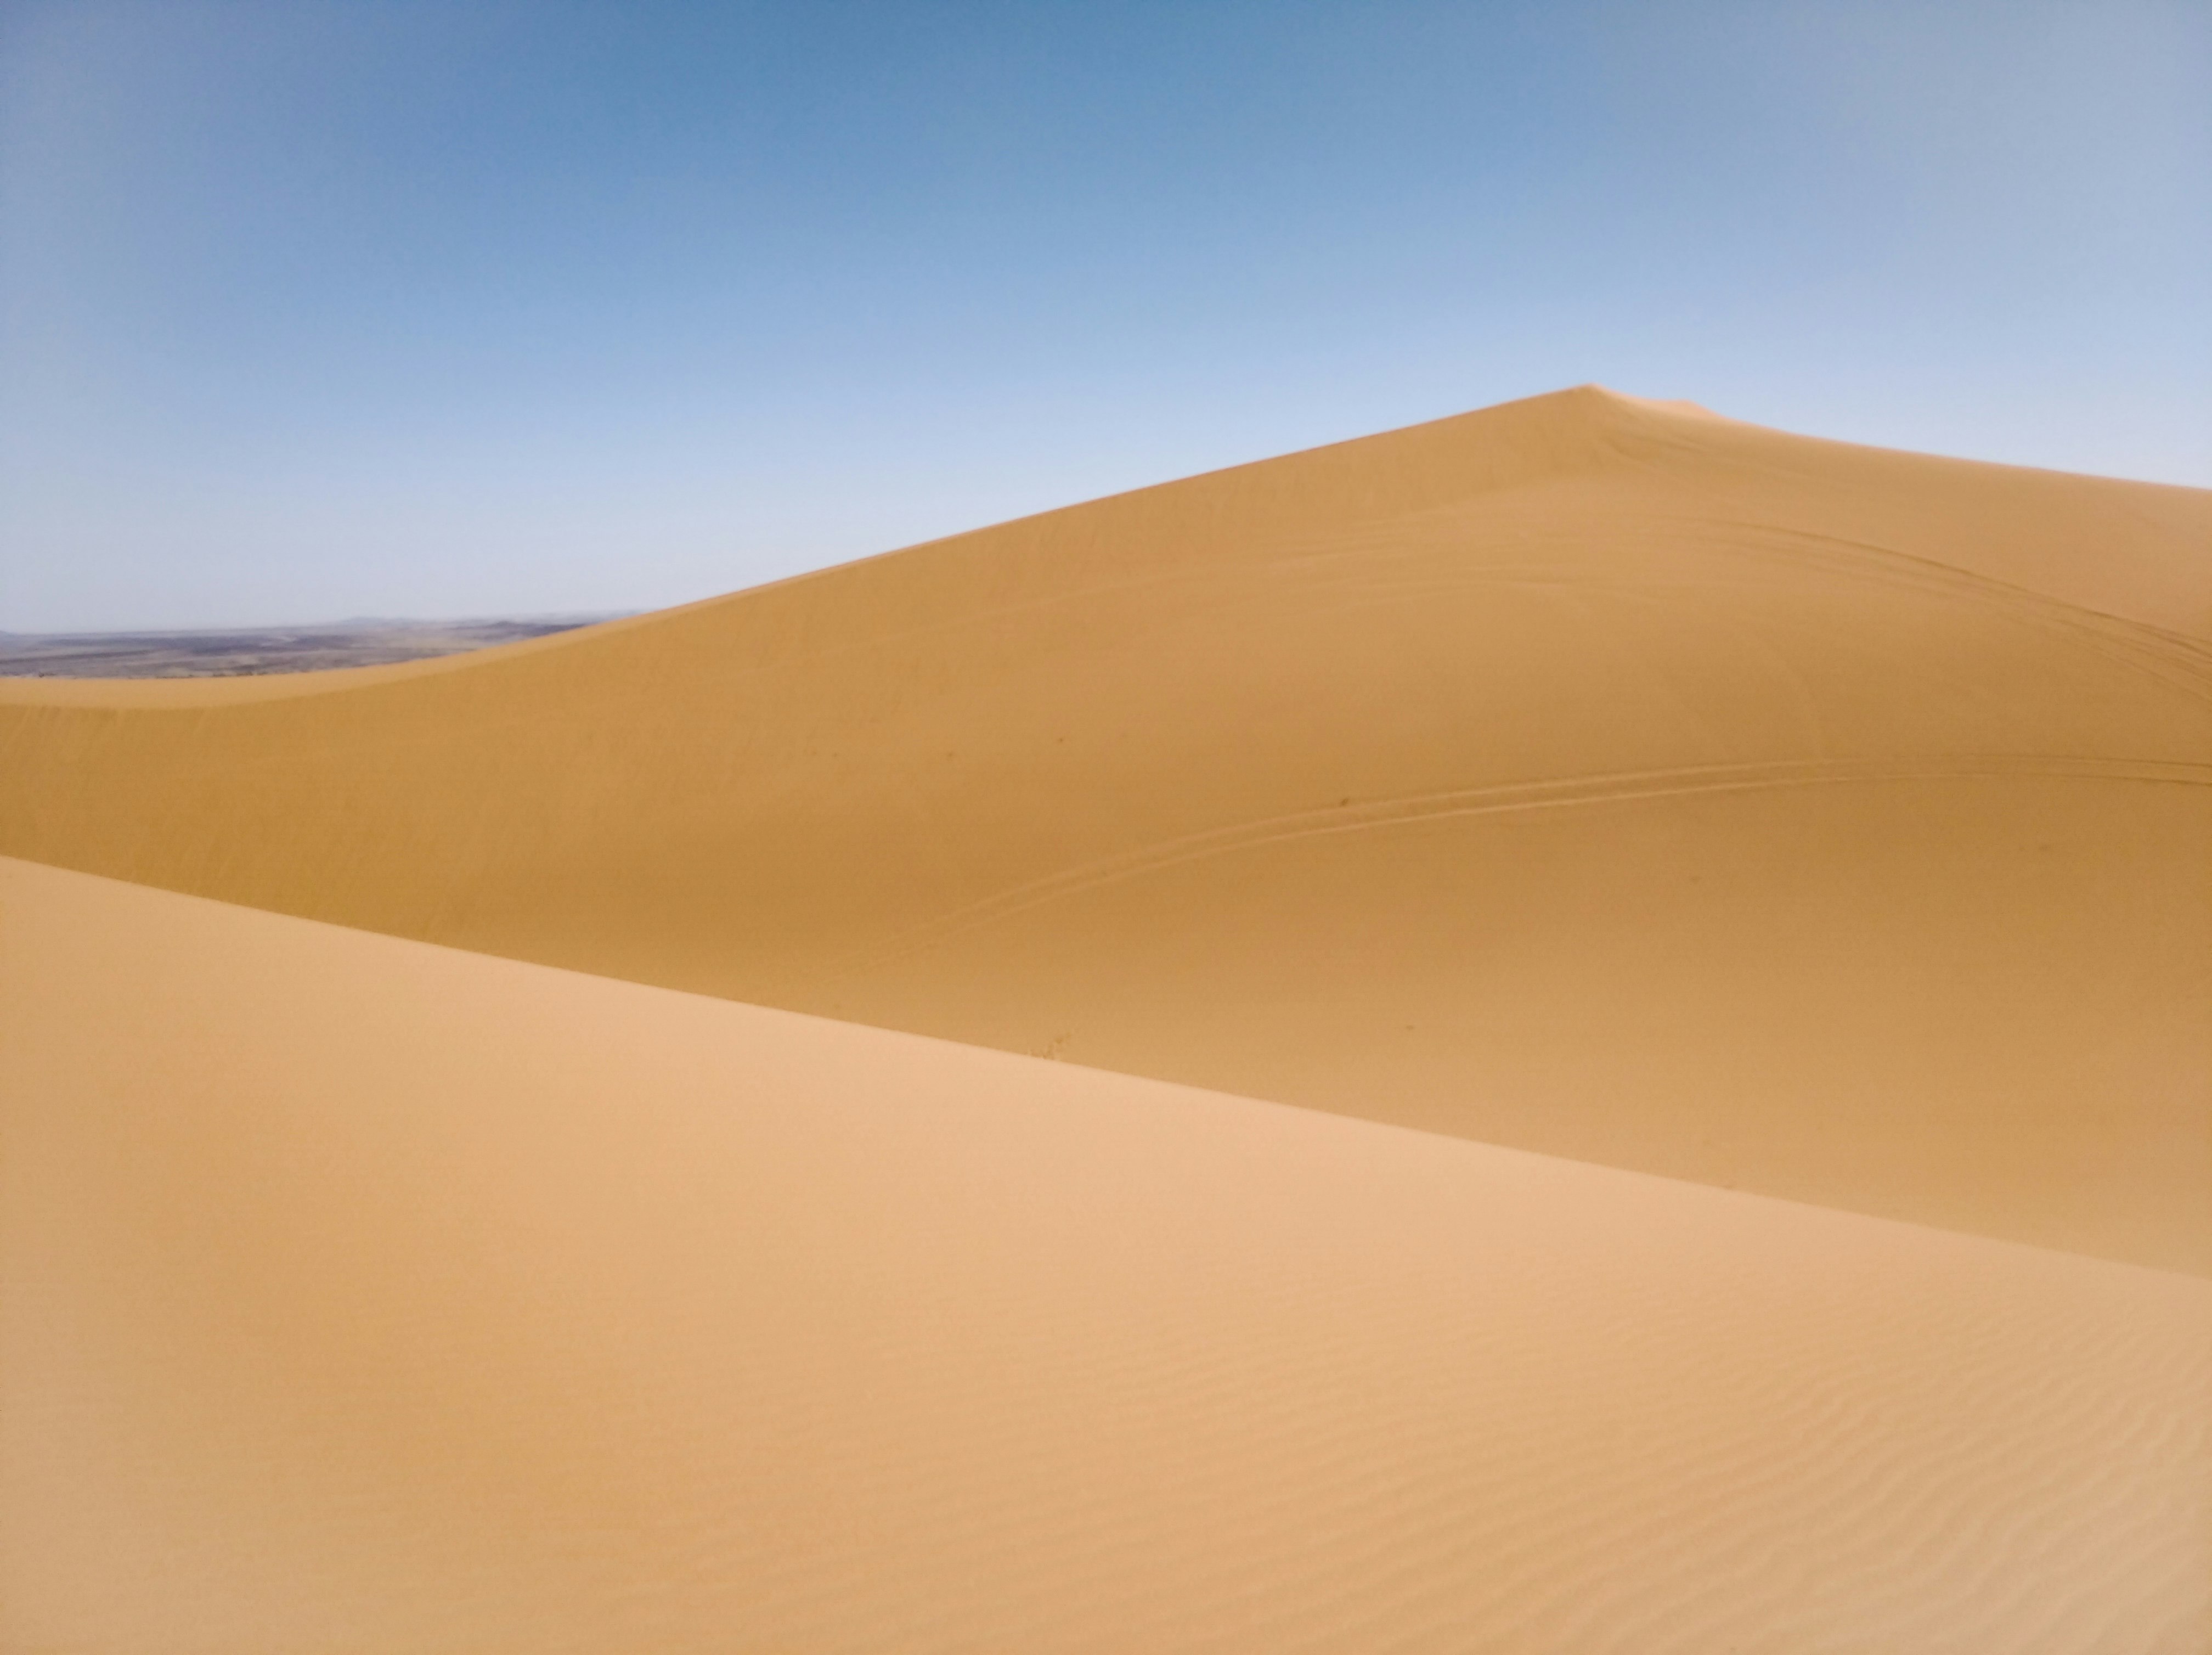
356,1293
1583,775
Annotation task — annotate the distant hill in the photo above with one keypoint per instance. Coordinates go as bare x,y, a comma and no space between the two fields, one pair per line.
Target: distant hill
233,652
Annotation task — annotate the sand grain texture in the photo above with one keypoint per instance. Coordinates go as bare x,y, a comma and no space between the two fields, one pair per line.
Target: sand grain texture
1592,776
1635,1000
360,1293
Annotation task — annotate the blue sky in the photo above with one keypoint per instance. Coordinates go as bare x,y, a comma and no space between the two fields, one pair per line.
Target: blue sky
311,310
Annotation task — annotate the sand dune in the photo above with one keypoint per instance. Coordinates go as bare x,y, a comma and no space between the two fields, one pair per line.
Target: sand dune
1778,876
363,1294
1595,776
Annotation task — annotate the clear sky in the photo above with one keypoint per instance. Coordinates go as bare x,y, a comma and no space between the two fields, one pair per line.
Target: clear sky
313,310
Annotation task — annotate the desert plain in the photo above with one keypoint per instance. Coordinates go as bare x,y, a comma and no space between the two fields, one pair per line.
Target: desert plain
237,652
1583,1027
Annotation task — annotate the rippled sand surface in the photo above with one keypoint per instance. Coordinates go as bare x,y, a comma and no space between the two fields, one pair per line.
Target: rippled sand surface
595,1175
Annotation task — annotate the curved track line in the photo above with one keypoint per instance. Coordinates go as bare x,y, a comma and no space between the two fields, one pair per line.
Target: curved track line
1505,798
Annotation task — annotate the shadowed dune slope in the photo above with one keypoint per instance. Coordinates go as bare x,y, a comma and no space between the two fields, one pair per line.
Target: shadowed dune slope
1596,776
360,1294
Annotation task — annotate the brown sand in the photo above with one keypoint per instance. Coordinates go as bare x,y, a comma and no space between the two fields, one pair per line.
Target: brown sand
1587,776
358,1295
1590,776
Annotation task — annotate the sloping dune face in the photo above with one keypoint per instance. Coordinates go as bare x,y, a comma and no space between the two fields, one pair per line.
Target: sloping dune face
1592,776
359,1295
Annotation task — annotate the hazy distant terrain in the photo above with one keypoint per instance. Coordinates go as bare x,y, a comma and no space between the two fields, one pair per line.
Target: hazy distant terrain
231,652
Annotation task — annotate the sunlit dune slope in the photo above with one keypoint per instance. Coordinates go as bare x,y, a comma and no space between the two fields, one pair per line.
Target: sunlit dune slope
1595,776
358,1295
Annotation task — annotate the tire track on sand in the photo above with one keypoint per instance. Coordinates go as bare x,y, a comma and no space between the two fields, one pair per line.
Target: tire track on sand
1504,797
